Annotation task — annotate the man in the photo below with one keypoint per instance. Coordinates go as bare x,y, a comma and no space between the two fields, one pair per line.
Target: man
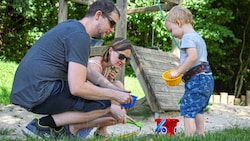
52,77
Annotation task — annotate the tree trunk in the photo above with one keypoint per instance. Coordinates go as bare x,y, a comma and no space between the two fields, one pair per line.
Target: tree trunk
243,65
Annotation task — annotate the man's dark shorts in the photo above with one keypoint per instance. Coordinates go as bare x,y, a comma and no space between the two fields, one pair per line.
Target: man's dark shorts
61,101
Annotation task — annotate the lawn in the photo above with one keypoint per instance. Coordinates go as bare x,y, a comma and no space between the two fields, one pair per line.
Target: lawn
232,134
7,71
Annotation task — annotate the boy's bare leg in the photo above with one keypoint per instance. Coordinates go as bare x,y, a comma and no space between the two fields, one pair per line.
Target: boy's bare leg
189,126
199,122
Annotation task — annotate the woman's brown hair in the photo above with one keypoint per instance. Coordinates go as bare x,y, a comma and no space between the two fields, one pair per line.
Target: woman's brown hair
118,44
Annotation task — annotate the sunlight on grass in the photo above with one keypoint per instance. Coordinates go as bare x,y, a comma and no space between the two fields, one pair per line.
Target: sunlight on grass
132,84
7,71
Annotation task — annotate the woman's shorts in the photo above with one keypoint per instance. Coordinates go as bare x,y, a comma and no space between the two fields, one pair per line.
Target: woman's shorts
197,94
61,100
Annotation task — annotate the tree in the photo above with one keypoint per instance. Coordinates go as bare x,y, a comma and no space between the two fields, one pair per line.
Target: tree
244,56
223,24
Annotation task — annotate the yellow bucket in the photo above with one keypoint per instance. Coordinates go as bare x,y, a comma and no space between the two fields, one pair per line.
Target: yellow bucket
171,82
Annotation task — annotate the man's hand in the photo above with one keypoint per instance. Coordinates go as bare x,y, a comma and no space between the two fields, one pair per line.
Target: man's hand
123,97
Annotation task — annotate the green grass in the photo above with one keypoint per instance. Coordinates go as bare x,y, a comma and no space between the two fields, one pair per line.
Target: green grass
232,134
7,71
132,84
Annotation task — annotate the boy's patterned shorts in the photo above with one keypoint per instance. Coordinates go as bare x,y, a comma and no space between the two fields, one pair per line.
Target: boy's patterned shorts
196,97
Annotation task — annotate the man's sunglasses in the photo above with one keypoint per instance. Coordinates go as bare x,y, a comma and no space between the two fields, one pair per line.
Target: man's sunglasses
122,57
111,21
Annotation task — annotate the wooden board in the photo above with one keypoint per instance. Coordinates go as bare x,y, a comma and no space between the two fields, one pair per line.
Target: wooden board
148,65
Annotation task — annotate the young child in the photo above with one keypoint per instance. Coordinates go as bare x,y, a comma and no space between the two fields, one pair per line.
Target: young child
194,66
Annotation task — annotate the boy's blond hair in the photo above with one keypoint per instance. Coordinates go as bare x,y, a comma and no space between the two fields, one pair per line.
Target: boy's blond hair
180,13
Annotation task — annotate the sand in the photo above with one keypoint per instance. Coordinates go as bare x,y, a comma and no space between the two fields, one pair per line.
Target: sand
219,116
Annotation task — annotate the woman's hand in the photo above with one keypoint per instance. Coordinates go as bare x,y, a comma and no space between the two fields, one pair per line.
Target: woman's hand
118,113
113,73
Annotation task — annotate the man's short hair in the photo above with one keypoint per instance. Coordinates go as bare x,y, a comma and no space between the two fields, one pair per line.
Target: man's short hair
106,6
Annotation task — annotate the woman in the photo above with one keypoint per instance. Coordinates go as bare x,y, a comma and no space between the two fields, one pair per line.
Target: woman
114,57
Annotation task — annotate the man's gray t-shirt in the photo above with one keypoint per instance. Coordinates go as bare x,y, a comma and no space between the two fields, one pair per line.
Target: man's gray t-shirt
193,40
47,62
